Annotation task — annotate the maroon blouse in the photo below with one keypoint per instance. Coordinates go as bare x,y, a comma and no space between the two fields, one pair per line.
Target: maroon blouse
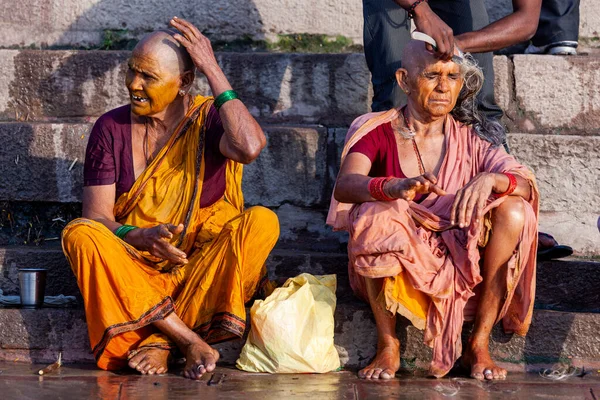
109,155
380,147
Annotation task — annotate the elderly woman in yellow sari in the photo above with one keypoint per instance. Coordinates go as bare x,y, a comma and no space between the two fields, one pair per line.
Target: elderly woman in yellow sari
442,221
165,255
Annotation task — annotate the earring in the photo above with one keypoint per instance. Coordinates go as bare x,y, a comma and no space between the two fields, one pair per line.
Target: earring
181,92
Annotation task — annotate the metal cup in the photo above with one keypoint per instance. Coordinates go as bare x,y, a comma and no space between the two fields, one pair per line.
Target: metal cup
33,287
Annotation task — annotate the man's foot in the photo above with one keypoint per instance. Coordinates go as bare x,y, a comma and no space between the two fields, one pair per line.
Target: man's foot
200,358
482,367
385,364
150,361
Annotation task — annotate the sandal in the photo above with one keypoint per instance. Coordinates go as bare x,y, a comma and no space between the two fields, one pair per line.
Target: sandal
553,250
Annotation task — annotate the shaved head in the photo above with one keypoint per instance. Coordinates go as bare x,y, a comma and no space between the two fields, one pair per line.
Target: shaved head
162,45
415,57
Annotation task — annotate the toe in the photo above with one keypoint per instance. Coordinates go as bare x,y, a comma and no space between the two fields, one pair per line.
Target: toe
376,373
387,374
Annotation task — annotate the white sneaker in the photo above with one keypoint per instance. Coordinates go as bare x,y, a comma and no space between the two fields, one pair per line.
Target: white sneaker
565,48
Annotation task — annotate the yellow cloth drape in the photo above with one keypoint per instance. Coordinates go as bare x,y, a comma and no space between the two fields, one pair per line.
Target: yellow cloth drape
125,290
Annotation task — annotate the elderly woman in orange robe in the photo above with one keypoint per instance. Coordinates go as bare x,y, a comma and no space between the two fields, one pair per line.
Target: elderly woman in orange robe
165,255
442,221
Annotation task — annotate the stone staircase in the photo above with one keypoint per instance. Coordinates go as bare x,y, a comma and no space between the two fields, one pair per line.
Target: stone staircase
49,99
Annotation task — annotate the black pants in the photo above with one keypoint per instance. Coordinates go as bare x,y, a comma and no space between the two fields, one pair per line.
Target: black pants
387,30
559,21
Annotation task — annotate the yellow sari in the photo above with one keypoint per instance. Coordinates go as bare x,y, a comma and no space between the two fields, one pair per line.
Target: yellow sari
125,290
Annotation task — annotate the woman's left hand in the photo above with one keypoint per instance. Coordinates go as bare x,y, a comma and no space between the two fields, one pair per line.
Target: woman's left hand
197,45
471,200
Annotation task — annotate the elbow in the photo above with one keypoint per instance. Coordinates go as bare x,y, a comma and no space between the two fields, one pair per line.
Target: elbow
250,154
528,28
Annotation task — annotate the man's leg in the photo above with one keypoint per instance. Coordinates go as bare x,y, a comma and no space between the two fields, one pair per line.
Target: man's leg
387,360
467,16
386,31
559,22
508,221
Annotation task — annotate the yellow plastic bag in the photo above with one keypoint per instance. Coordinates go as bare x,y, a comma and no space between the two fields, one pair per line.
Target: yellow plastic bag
292,329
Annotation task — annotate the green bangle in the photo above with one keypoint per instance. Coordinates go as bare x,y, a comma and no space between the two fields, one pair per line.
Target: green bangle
124,230
225,97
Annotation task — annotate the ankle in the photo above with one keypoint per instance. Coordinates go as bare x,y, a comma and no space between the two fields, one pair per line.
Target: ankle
479,343
388,341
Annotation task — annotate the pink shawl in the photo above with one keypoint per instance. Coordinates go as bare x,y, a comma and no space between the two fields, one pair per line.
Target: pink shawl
389,237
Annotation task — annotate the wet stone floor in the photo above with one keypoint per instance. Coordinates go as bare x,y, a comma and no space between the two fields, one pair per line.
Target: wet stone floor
20,381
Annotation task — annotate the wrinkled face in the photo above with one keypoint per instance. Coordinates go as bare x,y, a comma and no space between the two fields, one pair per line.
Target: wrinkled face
435,89
152,84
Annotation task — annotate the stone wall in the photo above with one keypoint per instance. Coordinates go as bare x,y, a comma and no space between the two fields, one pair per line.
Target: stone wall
83,22
305,104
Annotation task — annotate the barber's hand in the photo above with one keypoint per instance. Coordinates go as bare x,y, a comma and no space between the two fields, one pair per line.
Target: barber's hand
408,188
155,241
429,23
195,43
471,200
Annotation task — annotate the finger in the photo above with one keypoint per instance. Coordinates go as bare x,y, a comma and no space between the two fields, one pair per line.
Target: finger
462,209
191,27
430,177
175,229
437,190
184,27
473,200
454,209
169,252
182,39
480,208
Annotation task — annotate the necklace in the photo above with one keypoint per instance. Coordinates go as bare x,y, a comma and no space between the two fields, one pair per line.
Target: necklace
146,145
415,147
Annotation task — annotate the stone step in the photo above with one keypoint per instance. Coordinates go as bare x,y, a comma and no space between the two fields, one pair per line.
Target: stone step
572,285
43,162
541,94
93,23
38,335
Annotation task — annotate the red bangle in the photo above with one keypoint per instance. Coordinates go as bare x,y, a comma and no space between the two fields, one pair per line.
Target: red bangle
512,185
376,188
411,9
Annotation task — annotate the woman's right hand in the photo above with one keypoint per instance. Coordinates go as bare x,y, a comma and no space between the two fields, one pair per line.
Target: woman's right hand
408,188
155,241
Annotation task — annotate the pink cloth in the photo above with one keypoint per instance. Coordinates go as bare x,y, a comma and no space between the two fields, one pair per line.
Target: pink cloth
389,237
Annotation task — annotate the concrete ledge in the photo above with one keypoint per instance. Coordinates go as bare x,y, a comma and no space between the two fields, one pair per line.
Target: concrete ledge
44,162
82,22
571,285
38,335
541,94
306,88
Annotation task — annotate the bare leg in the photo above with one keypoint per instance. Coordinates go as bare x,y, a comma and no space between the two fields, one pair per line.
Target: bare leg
387,360
508,221
200,357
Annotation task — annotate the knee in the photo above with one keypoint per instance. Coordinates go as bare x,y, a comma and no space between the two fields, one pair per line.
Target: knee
510,213
263,219
78,234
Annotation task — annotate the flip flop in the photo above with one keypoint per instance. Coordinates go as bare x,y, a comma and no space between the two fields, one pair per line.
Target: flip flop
553,252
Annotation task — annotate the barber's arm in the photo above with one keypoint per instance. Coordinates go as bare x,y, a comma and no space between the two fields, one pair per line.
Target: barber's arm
512,29
243,139
429,23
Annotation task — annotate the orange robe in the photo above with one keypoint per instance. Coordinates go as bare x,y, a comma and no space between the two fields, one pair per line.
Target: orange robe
430,268
126,290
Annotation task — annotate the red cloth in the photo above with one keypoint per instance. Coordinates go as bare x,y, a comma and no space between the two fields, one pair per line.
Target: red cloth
109,157
380,147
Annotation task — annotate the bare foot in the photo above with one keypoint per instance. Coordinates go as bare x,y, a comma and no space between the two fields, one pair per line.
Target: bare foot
150,361
385,364
199,359
481,364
